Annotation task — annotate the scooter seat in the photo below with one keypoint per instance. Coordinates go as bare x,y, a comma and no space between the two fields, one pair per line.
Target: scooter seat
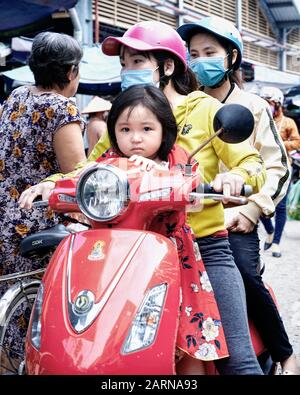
40,243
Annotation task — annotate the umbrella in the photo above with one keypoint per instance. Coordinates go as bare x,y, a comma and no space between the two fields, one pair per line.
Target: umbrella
19,15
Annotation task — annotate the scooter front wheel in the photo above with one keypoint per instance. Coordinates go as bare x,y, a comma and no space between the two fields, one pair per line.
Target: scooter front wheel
14,325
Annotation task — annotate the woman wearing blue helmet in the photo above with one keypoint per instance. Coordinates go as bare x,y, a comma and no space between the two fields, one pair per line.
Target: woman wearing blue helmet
216,48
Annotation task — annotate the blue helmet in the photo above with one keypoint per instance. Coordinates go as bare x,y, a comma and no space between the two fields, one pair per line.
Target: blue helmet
217,26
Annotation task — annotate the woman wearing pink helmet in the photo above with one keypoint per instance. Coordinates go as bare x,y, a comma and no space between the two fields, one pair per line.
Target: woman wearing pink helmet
153,53
216,48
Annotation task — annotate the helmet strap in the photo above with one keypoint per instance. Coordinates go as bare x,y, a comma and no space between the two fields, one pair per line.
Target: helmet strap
163,79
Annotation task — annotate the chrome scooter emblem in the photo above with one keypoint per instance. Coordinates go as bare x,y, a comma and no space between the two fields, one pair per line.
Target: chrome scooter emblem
83,302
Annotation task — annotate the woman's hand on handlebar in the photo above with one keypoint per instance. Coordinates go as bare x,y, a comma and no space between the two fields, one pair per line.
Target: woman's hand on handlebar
43,189
228,183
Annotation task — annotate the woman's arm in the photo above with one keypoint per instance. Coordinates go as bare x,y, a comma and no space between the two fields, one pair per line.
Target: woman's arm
244,165
102,145
69,147
271,148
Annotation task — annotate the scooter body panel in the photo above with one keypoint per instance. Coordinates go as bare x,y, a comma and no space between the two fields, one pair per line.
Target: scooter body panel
123,269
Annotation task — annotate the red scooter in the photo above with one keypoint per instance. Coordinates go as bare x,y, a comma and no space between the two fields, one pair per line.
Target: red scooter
109,301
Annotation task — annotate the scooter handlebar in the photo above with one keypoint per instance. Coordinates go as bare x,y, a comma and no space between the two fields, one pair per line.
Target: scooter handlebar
219,197
247,190
210,193
40,203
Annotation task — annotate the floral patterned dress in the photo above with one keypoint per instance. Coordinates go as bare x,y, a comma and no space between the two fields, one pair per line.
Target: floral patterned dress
27,126
200,331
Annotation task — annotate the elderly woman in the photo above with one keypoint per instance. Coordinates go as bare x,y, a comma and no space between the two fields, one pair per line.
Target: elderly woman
41,133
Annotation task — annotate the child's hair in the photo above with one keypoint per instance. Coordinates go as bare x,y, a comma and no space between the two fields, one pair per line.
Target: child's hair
154,100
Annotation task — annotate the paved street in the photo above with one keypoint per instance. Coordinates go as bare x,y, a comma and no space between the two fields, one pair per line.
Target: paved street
283,274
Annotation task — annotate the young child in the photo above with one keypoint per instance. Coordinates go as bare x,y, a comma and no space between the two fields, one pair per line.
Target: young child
142,127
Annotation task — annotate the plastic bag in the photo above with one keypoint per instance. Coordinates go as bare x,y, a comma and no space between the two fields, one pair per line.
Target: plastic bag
293,201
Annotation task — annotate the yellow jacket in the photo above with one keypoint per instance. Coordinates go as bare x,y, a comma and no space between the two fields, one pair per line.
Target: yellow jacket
194,117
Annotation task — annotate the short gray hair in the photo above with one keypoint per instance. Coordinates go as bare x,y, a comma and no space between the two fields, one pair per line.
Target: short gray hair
51,58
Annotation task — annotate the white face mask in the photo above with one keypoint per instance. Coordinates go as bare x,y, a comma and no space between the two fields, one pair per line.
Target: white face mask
137,77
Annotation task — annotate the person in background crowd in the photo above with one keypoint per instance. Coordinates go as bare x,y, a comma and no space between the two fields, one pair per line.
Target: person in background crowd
216,49
41,133
153,53
97,111
289,132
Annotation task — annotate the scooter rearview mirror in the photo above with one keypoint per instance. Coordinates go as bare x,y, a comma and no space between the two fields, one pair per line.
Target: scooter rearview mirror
233,123
236,122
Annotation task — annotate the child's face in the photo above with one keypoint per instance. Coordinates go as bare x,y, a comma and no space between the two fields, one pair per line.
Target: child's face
139,133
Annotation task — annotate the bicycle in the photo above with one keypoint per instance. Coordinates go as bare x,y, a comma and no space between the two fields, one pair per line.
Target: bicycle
17,302
16,305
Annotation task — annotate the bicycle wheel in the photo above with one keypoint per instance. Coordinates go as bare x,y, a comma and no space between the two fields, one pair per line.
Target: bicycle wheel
14,328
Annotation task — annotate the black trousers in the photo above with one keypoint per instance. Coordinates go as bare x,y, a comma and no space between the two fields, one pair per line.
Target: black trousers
261,307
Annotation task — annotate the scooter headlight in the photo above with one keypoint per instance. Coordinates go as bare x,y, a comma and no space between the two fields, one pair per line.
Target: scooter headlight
102,192
36,325
146,322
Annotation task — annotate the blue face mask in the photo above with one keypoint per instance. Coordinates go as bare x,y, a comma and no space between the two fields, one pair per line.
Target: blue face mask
209,71
137,77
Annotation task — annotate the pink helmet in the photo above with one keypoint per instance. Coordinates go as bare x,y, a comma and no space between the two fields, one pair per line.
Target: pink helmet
148,36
